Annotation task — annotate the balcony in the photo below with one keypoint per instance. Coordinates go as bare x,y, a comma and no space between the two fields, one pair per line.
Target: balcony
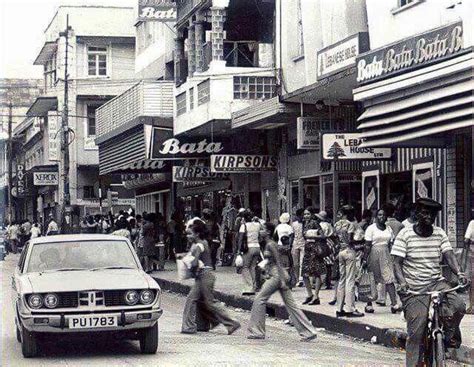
145,99
214,97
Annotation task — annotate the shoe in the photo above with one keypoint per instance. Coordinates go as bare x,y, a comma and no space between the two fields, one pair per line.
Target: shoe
307,300
395,309
309,338
341,313
188,332
300,284
233,329
248,293
369,309
381,304
354,314
315,302
333,302
288,322
256,337
328,287
219,263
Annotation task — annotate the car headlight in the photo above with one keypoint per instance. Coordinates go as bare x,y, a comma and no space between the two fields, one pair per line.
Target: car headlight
147,296
35,301
51,300
131,298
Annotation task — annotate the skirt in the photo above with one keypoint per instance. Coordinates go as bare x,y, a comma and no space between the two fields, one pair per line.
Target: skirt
313,265
380,263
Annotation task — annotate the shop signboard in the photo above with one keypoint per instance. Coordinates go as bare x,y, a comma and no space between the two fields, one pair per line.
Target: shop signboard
341,55
307,133
144,166
45,178
20,180
197,173
164,146
53,138
242,163
156,10
124,201
410,53
345,146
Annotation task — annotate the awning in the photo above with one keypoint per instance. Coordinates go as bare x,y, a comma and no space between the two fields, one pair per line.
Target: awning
426,102
267,114
46,53
42,105
191,189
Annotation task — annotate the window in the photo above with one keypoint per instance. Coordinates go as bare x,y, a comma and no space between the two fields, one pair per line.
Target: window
406,2
181,103
204,92
254,87
97,61
91,127
88,192
191,98
50,72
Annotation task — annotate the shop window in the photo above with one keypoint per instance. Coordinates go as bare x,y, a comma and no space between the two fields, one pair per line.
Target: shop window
311,193
88,192
91,124
294,196
423,181
254,87
181,103
371,190
97,61
204,92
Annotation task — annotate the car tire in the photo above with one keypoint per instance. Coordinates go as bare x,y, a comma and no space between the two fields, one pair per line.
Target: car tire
149,340
29,343
18,334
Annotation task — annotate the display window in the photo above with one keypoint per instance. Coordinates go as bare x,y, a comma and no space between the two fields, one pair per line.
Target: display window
423,183
371,190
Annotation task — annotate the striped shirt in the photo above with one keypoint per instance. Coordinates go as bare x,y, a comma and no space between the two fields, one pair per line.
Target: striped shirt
422,256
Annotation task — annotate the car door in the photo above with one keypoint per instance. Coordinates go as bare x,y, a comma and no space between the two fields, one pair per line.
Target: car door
16,274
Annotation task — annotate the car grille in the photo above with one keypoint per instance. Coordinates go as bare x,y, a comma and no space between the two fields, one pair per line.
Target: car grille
114,298
68,300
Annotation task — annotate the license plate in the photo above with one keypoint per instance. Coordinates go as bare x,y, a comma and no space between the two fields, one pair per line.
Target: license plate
92,322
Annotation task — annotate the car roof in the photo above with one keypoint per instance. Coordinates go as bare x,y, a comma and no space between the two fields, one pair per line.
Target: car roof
75,238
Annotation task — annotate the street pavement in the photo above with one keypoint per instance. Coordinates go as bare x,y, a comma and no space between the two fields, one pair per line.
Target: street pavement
281,348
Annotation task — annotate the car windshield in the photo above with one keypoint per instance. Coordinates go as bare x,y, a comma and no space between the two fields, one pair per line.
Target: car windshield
81,255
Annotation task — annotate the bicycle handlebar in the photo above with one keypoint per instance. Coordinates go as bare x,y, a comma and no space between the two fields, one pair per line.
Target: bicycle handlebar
439,291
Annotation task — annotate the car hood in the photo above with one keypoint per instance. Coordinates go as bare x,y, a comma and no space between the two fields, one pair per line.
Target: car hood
70,281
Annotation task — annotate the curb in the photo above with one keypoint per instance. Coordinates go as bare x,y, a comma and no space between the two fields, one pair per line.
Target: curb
394,338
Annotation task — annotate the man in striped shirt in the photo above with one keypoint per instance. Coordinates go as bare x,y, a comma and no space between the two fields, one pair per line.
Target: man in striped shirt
417,253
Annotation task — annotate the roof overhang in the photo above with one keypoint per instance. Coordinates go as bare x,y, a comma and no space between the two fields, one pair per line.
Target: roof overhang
46,53
42,105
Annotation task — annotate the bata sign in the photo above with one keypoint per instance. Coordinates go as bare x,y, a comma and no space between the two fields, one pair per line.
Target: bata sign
45,178
145,166
243,163
347,146
197,173
163,10
410,53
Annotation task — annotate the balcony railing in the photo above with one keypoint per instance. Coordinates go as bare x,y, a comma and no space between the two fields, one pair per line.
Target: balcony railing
147,98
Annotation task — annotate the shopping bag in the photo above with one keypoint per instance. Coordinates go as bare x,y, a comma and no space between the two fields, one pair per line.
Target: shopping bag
367,287
184,266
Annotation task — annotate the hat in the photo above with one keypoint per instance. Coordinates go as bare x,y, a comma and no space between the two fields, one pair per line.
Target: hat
428,204
323,215
241,210
284,218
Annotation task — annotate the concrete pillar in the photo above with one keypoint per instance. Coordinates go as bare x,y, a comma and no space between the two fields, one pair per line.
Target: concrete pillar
178,59
199,44
218,18
191,50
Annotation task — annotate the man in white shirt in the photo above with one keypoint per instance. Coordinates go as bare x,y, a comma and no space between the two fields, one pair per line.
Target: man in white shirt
467,262
52,227
297,251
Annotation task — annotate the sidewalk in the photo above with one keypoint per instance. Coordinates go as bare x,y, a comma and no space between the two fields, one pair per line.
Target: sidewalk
388,329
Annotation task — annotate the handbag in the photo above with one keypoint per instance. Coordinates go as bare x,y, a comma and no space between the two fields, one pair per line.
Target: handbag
367,287
239,263
184,266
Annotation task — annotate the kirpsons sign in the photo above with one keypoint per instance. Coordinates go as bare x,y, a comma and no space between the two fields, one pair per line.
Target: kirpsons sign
160,10
410,53
197,174
242,163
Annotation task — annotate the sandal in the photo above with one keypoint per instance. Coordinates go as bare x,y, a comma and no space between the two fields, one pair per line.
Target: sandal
307,300
369,309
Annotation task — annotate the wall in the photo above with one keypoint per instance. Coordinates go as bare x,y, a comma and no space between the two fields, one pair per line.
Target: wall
386,25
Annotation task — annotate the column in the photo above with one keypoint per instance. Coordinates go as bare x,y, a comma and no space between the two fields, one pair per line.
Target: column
199,44
178,59
191,51
218,16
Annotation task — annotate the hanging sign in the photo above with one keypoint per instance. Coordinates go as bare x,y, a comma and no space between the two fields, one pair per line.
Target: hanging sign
157,10
53,138
20,180
197,173
409,53
143,166
307,133
241,163
45,178
344,146
164,146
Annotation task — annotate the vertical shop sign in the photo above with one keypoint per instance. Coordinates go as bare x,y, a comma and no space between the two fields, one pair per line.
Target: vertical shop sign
20,180
53,138
451,211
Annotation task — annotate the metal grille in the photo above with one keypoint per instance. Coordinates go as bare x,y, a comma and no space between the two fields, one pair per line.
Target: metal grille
68,300
91,298
114,298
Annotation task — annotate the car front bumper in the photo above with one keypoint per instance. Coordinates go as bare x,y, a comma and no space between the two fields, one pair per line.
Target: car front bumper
59,323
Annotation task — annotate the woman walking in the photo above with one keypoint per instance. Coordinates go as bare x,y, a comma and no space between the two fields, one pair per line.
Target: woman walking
249,247
277,280
378,238
201,311
313,267
147,239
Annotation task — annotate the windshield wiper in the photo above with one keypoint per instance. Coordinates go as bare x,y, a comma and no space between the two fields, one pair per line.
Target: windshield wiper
64,269
112,267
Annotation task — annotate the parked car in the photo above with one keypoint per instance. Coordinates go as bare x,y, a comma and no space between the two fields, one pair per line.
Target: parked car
87,283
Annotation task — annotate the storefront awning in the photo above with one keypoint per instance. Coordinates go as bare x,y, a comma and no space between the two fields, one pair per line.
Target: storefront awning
426,102
42,105
46,53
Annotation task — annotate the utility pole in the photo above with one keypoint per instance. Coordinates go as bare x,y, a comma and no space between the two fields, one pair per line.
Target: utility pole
10,163
65,207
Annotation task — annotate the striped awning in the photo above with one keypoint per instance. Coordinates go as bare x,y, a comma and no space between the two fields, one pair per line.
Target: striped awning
426,102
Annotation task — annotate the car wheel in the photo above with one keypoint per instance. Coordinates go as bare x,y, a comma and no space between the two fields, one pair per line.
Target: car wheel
149,340
29,343
18,334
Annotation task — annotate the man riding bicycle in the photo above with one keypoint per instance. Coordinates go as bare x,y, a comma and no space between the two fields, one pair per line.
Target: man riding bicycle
417,253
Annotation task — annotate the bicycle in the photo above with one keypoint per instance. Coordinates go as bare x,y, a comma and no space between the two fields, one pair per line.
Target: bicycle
435,343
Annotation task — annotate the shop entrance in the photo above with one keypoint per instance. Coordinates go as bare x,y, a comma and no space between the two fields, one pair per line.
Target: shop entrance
396,188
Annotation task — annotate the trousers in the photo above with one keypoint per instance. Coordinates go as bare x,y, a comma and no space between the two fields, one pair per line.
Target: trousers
297,253
200,306
416,314
256,325
250,258
347,277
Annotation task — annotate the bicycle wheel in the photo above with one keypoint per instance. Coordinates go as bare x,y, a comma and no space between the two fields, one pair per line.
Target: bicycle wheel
439,352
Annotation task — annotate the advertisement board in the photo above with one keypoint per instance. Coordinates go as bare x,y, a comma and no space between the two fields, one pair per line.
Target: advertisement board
197,173
53,138
156,10
345,146
308,133
45,178
242,163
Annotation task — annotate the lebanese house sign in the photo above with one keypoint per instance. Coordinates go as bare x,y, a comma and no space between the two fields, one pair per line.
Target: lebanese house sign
345,146
241,163
410,53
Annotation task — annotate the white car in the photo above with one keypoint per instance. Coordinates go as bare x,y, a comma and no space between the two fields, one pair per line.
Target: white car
70,284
